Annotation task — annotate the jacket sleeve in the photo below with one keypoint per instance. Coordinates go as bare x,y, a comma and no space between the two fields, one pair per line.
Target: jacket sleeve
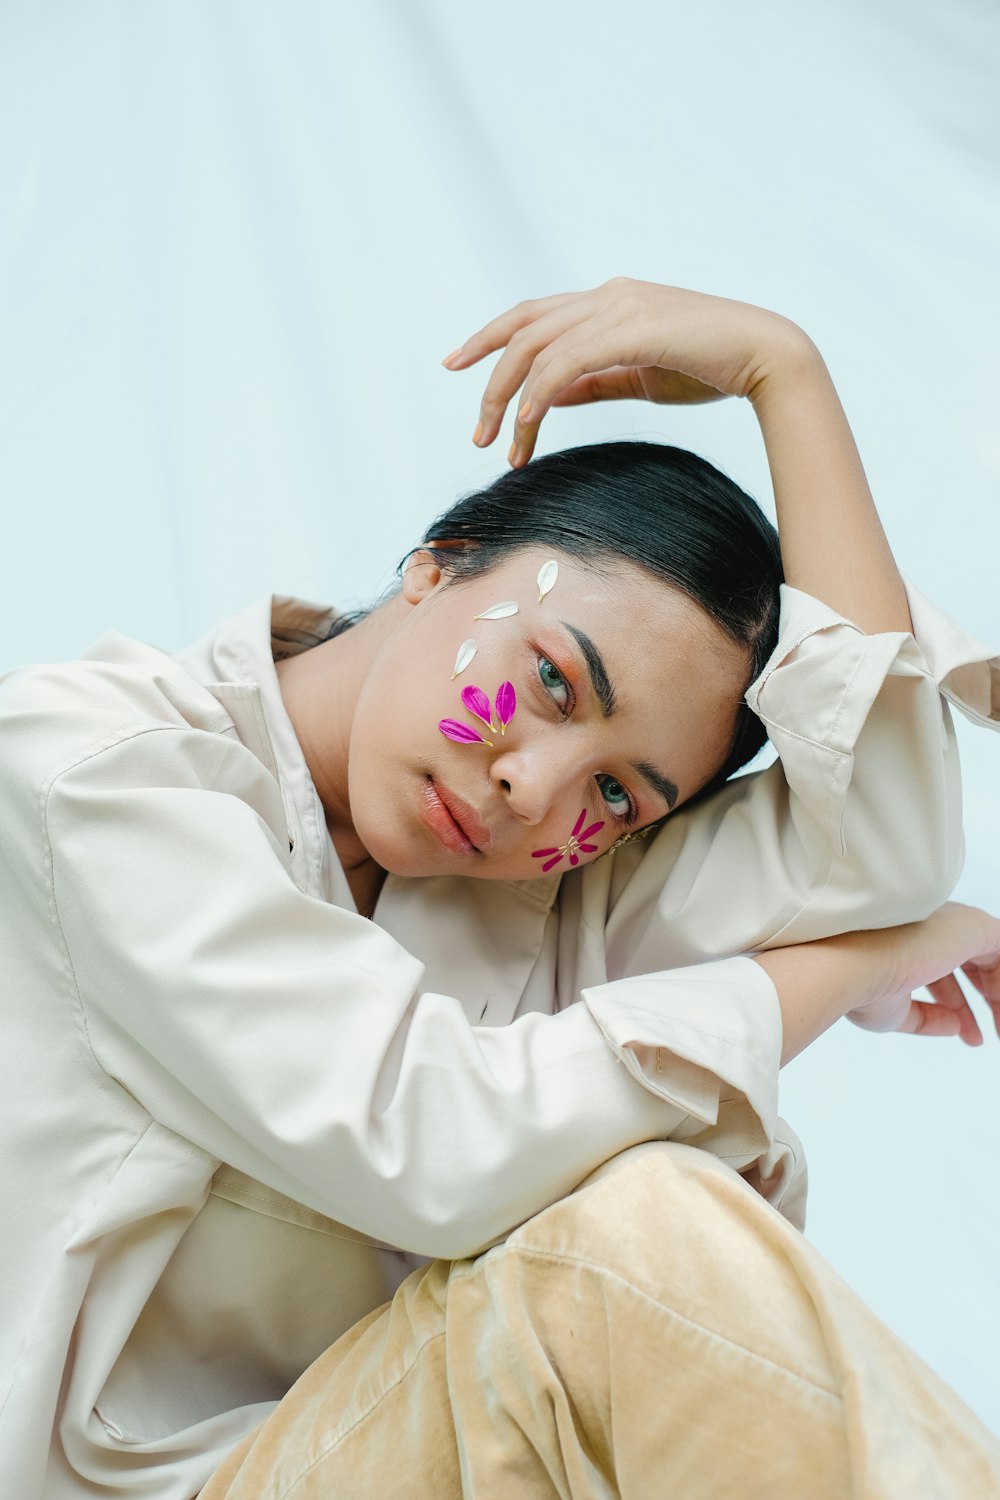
292,1039
858,824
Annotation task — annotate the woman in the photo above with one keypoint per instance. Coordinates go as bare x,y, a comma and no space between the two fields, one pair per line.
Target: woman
251,1110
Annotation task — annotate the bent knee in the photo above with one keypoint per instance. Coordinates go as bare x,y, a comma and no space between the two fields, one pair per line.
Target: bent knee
667,1229
659,1192
679,1225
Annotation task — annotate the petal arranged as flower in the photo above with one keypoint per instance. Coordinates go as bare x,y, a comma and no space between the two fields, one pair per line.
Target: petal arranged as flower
466,652
549,863
579,823
594,828
547,576
541,853
498,611
464,734
506,704
477,703
587,848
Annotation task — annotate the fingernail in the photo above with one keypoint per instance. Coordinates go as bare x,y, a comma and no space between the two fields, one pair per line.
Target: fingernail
512,455
477,434
522,415
452,357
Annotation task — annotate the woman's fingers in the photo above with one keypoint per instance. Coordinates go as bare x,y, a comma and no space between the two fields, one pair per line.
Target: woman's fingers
947,1014
521,356
949,996
497,334
619,384
638,383
623,339
524,337
986,978
549,344
925,1019
521,332
592,347
954,939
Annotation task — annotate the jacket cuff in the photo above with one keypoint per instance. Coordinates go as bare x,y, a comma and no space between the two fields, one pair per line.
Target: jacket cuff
966,671
699,1037
824,674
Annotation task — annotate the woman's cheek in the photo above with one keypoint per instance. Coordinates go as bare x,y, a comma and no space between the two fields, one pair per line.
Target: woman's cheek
577,847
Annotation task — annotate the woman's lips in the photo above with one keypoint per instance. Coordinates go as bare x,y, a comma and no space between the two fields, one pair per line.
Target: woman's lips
453,821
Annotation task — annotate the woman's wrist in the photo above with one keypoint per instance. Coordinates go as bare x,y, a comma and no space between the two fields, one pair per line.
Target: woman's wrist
818,983
788,360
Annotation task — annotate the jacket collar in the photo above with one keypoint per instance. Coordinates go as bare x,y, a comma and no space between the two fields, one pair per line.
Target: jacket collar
478,939
236,663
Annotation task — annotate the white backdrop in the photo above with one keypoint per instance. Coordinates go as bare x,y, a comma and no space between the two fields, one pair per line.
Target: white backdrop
238,238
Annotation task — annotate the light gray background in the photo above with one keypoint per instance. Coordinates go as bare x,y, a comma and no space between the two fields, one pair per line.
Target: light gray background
237,239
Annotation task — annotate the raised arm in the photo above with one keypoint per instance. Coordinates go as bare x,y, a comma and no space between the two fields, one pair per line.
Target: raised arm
639,340
860,823
832,543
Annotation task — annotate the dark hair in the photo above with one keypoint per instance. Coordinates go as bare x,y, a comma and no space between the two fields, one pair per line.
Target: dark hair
663,508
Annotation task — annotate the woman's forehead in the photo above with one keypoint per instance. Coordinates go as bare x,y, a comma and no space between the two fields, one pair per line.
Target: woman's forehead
632,606
642,644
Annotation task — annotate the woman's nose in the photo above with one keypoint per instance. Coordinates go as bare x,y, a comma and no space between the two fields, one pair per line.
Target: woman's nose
530,782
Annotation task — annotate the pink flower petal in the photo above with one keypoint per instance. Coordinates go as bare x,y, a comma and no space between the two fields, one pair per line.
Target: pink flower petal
594,828
572,858
551,862
579,823
588,848
541,853
506,703
477,703
464,734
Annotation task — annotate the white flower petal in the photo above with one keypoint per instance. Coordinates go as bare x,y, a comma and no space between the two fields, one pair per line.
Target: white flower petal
466,652
547,576
498,611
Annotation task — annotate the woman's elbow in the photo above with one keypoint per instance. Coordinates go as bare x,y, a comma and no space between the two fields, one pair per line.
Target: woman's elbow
915,886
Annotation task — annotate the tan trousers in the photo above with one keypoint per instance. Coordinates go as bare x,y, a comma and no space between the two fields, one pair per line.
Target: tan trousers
660,1334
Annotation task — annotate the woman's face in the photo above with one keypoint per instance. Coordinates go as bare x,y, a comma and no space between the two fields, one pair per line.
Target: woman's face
626,699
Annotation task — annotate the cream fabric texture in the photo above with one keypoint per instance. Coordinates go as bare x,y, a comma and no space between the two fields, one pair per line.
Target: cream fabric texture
236,1114
660,1332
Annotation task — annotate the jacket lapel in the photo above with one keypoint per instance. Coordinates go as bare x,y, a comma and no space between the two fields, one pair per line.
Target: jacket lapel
478,940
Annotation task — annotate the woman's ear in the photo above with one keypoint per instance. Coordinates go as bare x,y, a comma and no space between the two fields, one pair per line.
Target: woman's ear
421,576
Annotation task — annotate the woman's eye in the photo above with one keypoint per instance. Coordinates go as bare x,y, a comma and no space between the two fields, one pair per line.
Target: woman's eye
554,682
615,796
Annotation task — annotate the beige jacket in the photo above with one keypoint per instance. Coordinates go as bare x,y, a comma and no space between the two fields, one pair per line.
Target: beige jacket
235,1113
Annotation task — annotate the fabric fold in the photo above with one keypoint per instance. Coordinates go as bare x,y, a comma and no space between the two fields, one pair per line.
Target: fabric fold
966,671
684,1033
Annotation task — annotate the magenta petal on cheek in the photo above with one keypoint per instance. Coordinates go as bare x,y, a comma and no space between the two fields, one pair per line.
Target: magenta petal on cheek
477,703
464,734
543,853
588,848
594,828
549,863
506,703
579,823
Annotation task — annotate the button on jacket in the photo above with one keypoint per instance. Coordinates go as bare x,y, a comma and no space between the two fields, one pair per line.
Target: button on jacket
235,1113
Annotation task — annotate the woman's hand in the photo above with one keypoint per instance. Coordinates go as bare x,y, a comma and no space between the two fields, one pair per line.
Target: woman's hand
625,339
927,955
871,976
661,343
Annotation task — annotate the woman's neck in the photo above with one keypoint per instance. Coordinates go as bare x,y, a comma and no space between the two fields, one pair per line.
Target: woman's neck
320,690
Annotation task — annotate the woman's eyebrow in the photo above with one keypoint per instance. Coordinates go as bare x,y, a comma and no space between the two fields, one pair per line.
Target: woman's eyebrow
660,783
604,688
604,691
